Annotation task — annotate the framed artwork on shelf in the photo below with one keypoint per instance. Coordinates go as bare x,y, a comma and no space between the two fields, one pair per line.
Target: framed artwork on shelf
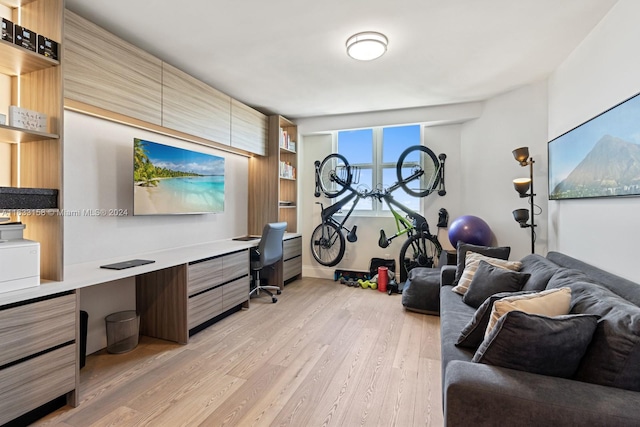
600,157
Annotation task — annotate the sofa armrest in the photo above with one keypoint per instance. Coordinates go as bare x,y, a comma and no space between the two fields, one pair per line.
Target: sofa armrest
482,395
447,274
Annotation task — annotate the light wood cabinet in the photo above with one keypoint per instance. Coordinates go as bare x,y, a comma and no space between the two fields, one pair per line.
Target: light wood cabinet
248,128
193,107
104,71
39,354
273,180
292,258
36,157
216,285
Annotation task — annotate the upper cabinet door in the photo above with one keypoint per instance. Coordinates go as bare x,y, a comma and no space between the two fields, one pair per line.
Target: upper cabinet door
103,70
248,128
193,107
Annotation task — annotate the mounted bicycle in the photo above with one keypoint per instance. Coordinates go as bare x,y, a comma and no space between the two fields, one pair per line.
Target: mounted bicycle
419,173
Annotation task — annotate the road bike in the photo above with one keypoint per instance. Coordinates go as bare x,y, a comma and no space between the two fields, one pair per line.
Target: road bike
419,173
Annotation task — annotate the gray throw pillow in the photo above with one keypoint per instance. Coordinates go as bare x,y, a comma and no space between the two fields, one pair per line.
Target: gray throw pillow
489,280
613,358
542,345
501,252
473,333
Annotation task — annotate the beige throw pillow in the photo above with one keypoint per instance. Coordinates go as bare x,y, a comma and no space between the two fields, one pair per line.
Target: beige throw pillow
550,303
472,261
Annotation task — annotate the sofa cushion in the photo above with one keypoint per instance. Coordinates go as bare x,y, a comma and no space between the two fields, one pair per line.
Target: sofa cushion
613,358
494,252
471,266
551,302
472,334
489,280
540,269
539,344
454,315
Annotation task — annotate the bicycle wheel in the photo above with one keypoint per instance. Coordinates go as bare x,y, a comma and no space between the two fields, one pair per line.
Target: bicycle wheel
420,250
418,171
327,244
335,175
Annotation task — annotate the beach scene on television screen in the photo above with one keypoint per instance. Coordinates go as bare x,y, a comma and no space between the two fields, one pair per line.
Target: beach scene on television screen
599,158
172,180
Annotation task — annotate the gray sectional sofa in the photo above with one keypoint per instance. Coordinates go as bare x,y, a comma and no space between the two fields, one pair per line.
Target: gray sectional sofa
605,389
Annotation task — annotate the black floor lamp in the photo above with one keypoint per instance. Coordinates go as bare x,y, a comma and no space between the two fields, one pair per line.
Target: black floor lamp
524,186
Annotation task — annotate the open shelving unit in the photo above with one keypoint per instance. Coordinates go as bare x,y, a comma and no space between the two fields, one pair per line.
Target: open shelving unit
273,179
36,157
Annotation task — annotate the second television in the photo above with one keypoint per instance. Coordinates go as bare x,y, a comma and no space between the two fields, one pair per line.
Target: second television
171,180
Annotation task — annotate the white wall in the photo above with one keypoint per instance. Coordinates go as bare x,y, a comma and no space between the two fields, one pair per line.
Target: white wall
509,121
479,173
98,169
600,73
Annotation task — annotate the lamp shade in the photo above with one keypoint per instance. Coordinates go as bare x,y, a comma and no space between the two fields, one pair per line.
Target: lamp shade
521,216
367,46
522,185
521,155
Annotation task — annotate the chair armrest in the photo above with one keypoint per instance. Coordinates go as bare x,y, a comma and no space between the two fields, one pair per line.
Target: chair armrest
447,275
482,395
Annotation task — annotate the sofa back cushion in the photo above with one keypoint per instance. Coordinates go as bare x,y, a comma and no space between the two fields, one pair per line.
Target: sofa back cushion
613,357
618,285
540,269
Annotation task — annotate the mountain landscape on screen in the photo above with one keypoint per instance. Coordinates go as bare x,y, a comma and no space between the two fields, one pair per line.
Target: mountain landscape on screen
611,168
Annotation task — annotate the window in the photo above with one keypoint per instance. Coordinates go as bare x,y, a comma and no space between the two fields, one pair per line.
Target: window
375,152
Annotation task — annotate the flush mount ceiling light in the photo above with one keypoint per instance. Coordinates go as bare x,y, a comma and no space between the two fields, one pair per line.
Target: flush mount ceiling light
367,46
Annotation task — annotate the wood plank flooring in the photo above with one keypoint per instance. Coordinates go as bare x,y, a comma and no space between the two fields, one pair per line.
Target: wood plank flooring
324,355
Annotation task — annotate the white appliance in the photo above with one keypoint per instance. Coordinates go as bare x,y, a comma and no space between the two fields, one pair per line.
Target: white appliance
19,264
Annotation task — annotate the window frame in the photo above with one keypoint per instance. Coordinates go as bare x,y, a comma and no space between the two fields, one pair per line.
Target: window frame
378,209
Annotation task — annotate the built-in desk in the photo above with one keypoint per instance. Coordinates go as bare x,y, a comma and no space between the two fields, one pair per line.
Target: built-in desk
185,287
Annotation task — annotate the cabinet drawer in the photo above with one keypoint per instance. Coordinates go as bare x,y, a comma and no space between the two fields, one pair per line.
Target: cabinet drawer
204,306
33,383
235,293
292,268
204,275
31,328
235,265
292,247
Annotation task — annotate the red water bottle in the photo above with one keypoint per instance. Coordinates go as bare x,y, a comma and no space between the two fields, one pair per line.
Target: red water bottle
383,278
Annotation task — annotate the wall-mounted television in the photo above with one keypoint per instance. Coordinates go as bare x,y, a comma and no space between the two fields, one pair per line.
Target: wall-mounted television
173,180
599,158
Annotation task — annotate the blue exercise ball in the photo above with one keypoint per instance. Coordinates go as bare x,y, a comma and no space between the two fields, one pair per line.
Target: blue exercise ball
469,229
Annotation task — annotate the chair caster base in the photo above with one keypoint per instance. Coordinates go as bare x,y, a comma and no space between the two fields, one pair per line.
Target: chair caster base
274,300
279,292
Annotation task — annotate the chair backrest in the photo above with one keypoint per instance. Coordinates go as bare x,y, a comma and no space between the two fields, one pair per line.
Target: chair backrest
270,246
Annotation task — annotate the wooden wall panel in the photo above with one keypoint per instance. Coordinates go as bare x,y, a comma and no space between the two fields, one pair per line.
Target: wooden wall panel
264,183
103,70
248,128
161,301
191,106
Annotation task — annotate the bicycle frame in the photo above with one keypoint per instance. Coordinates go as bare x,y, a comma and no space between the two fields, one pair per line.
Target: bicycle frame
327,213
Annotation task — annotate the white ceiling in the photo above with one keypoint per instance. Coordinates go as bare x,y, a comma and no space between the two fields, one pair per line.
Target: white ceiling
288,56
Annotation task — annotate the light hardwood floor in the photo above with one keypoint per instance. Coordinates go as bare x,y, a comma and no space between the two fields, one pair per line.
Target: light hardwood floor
324,355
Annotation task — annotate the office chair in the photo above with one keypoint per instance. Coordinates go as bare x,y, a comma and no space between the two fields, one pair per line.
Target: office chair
268,253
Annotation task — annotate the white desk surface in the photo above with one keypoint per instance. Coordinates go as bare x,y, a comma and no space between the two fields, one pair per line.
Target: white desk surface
78,276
